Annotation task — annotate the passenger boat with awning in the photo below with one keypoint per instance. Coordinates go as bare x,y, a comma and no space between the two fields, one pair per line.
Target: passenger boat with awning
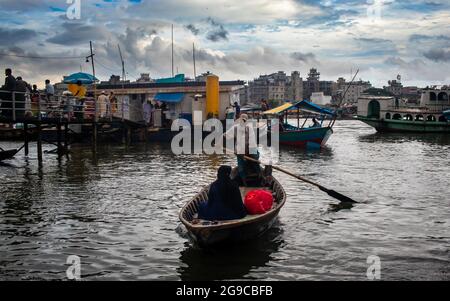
301,136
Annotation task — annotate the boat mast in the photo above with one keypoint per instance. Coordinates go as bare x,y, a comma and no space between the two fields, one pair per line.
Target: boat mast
193,56
123,64
172,53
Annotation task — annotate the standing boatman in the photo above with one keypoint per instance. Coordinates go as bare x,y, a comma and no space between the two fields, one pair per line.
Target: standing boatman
245,146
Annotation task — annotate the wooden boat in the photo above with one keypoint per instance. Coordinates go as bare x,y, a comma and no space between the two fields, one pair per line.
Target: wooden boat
207,233
300,135
7,154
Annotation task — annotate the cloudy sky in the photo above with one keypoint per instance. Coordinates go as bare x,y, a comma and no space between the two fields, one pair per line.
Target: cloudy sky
235,39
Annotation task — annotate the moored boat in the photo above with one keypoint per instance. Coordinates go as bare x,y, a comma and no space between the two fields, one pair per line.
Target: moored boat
301,136
387,114
7,154
208,233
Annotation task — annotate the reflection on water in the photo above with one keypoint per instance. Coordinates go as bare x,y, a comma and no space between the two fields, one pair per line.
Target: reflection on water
235,262
118,212
442,139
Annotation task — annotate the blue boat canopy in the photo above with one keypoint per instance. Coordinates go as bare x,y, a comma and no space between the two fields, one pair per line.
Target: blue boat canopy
169,97
303,106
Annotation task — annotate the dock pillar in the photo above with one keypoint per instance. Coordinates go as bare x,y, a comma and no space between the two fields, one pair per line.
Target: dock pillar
66,136
128,135
39,144
59,134
26,138
94,137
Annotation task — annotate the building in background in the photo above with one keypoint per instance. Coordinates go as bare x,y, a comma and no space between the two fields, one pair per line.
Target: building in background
319,98
354,90
412,94
276,88
395,87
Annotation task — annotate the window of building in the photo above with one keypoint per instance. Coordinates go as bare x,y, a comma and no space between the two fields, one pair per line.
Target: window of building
442,96
432,96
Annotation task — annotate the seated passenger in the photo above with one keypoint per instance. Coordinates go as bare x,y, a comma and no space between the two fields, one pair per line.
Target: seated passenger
224,199
315,124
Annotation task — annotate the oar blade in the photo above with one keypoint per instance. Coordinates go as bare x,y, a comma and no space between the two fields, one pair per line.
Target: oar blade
339,196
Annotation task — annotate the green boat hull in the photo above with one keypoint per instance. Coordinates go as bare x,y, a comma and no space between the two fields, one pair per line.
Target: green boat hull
382,125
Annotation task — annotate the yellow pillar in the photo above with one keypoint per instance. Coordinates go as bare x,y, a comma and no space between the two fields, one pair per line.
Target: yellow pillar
212,96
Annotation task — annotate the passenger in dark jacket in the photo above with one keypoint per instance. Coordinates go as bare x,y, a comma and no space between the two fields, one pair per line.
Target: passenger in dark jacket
224,199
6,94
22,87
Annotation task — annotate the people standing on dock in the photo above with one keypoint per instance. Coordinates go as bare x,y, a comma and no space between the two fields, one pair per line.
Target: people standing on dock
113,102
77,90
264,105
148,110
229,113
22,90
102,101
35,99
6,95
49,90
237,109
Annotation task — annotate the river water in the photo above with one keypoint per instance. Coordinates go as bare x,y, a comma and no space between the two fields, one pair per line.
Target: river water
119,213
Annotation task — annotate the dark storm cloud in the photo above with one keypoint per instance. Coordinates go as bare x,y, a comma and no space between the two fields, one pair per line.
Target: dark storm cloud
192,29
78,33
303,57
438,55
218,32
13,36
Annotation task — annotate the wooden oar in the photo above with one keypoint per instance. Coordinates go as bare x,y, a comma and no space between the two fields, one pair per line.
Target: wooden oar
330,192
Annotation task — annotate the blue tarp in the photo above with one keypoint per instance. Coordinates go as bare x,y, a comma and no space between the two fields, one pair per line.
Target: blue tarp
179,78
169,97
84,78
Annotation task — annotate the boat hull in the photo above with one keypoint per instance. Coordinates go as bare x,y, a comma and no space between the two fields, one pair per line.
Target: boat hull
207,237
400,126
235,231
306,138
8,154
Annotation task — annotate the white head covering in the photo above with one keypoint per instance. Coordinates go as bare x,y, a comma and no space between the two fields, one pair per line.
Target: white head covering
244,117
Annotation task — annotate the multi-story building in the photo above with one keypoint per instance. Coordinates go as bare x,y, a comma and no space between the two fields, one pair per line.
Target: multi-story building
276,87
412,94
313,84
395,87
354,90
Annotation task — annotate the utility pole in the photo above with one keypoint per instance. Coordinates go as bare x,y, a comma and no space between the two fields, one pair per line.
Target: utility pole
123,64
193,56
172,53
94,127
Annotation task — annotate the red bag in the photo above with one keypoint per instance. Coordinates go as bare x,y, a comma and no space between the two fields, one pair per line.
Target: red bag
258,201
